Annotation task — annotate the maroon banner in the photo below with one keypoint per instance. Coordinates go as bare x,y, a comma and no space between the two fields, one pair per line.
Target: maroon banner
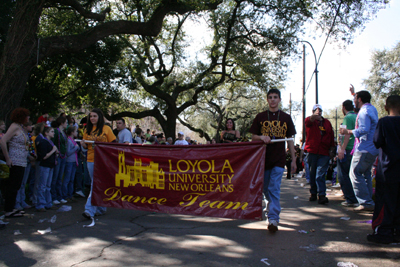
222,180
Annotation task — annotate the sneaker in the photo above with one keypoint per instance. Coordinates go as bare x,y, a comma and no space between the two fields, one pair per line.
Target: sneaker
272,226
313,197
347,204
86,215
323,200
56,202
362,208
63,201
381,239
80,193
336,186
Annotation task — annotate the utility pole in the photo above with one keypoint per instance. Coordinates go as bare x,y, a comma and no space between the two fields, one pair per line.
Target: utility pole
336,130
304,93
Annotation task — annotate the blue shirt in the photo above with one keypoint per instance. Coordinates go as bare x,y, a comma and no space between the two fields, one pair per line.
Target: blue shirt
367,120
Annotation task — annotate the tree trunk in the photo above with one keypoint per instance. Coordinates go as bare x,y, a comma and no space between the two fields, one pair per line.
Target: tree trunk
20,55
170,124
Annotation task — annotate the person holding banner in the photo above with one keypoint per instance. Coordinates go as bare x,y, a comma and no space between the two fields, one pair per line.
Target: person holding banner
95,131
269,125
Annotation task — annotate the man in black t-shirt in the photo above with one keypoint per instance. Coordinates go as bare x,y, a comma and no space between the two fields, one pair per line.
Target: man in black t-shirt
386,218
269,125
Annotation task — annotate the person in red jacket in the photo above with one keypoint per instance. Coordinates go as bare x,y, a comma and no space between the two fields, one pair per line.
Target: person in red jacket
43,118
320,139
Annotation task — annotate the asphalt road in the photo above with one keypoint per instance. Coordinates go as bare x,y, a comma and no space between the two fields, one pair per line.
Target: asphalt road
309,235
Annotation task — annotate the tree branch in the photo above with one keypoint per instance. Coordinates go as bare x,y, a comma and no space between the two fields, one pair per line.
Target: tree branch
155,112
201,132
85,13
71,43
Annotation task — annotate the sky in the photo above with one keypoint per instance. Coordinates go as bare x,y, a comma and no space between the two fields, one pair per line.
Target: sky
338,68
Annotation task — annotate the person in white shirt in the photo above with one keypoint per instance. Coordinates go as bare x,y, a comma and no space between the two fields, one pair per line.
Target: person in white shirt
180,140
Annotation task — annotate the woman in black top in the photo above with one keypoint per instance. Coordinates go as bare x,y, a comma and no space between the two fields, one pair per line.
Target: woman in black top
229,135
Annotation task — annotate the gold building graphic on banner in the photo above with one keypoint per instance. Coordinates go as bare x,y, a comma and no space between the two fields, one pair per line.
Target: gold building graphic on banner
146,175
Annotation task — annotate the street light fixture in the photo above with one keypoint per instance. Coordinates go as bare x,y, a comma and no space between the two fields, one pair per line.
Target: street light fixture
304,84
315,71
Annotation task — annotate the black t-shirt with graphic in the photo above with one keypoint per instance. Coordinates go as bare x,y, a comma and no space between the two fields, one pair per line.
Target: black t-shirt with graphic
280,126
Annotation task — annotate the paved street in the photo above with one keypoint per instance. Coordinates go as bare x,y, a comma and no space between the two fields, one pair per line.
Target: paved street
136,238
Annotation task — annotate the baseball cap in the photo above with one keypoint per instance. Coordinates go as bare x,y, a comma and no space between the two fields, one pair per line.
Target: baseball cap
181,133
317,106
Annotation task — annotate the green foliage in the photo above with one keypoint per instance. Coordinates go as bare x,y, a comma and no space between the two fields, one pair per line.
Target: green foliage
89,78
85,79
384,79
251,44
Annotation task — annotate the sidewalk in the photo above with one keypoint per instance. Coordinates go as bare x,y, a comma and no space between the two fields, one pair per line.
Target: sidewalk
136,238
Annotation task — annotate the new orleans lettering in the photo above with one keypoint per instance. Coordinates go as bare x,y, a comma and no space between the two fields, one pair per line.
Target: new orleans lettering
201,187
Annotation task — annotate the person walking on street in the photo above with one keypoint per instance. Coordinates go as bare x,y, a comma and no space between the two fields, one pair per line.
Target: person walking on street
269,125
320,140
365,151
345,156
386,218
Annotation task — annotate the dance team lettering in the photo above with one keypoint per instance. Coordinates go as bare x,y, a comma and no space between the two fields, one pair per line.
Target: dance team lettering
115,194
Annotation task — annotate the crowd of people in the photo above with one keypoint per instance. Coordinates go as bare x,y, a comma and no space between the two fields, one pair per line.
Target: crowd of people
365,141
48,166
52,162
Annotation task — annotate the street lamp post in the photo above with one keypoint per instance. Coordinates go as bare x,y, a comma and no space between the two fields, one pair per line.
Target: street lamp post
315,71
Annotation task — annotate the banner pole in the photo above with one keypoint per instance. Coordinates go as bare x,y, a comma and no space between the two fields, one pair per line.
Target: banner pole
86,141
281,140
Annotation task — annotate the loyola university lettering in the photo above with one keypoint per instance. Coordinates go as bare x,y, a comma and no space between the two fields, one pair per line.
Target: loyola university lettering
274,128
182,181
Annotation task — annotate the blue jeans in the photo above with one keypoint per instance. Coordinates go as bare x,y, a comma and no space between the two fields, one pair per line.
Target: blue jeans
360,175
79,186
31,181
20,200
56,183
318,165
344,178
272,191
89,208
44,199
68,182
306,168
35,183
87,178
